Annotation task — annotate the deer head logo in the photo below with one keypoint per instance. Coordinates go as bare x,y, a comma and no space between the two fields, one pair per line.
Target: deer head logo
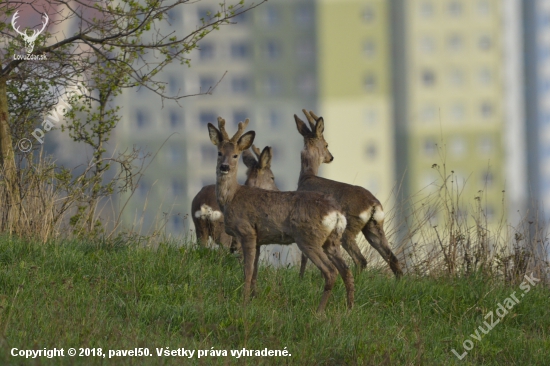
29,40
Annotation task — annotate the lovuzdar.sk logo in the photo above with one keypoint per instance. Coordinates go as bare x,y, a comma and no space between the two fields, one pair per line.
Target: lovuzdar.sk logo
29,40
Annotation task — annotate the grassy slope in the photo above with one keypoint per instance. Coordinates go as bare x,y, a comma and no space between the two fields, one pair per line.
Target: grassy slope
122,297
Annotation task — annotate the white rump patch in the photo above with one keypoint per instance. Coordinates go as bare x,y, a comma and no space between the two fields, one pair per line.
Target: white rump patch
207,213
378,214
368,214
335,220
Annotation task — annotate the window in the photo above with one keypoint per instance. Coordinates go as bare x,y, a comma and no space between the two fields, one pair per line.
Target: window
371,117
369,83
174,85
143,188
241,18
483,7
177,222
369,48
240,116
240,84
206,117
457,111
272,50
455,43
208,153
177,188
426,9
486,145
174,154
456,77
429,147
274,118
142,119
486,109
305,50
427,44
455,9
206,83
271,16
485,43
487,179
428,78
371,151
240,51
176,119
368,15
428,113
206,51
174,17
272,85
204,14
304,15
485,76
306,83
458,147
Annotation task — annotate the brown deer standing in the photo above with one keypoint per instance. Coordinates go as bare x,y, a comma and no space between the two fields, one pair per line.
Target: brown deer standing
256,217
363,211
206,213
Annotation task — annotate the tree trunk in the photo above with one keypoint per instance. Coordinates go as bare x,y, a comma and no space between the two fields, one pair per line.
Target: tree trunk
7,166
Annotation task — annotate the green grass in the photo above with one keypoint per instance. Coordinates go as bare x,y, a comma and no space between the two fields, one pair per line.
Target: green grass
122,296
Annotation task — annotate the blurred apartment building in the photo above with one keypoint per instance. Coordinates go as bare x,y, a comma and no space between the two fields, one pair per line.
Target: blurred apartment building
402,85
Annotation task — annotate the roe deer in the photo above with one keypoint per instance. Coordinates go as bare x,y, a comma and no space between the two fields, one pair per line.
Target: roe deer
363,211
206,214
255,217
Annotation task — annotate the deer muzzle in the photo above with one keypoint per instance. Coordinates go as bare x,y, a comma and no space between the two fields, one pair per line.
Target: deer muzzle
224,168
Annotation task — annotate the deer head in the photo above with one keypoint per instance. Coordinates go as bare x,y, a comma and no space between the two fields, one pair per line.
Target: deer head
229,149
259,172
314,141
29,40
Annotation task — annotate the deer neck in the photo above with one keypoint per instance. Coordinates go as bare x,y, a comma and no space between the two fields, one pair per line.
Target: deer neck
310,164
226,187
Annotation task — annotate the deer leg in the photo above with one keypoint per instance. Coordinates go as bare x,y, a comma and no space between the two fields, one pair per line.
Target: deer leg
255,273
201,228
249,255
350,245
303,264
333,252
320,259
374,233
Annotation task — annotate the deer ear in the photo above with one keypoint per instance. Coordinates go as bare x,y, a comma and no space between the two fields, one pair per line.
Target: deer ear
265,158
246,140
248,159
302,128
215,135
319,127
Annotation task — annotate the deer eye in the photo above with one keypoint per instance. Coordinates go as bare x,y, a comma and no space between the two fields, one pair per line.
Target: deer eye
219,153
273,178
235,156
326,146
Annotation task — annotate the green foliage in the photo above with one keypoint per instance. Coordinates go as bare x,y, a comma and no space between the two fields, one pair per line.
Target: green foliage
121,295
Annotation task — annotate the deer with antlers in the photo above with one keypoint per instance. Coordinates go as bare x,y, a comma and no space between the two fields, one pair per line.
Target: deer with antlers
255,217
29,40
207,215
364,213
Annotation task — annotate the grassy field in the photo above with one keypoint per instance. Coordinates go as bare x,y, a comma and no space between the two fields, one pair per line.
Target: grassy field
121,296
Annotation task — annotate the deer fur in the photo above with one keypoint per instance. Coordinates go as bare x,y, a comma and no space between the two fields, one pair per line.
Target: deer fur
255,217
206,213
364,213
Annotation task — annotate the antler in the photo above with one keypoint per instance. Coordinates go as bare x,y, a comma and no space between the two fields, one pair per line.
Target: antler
239,133
256,151
310,120
15,16
35,33
221,126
